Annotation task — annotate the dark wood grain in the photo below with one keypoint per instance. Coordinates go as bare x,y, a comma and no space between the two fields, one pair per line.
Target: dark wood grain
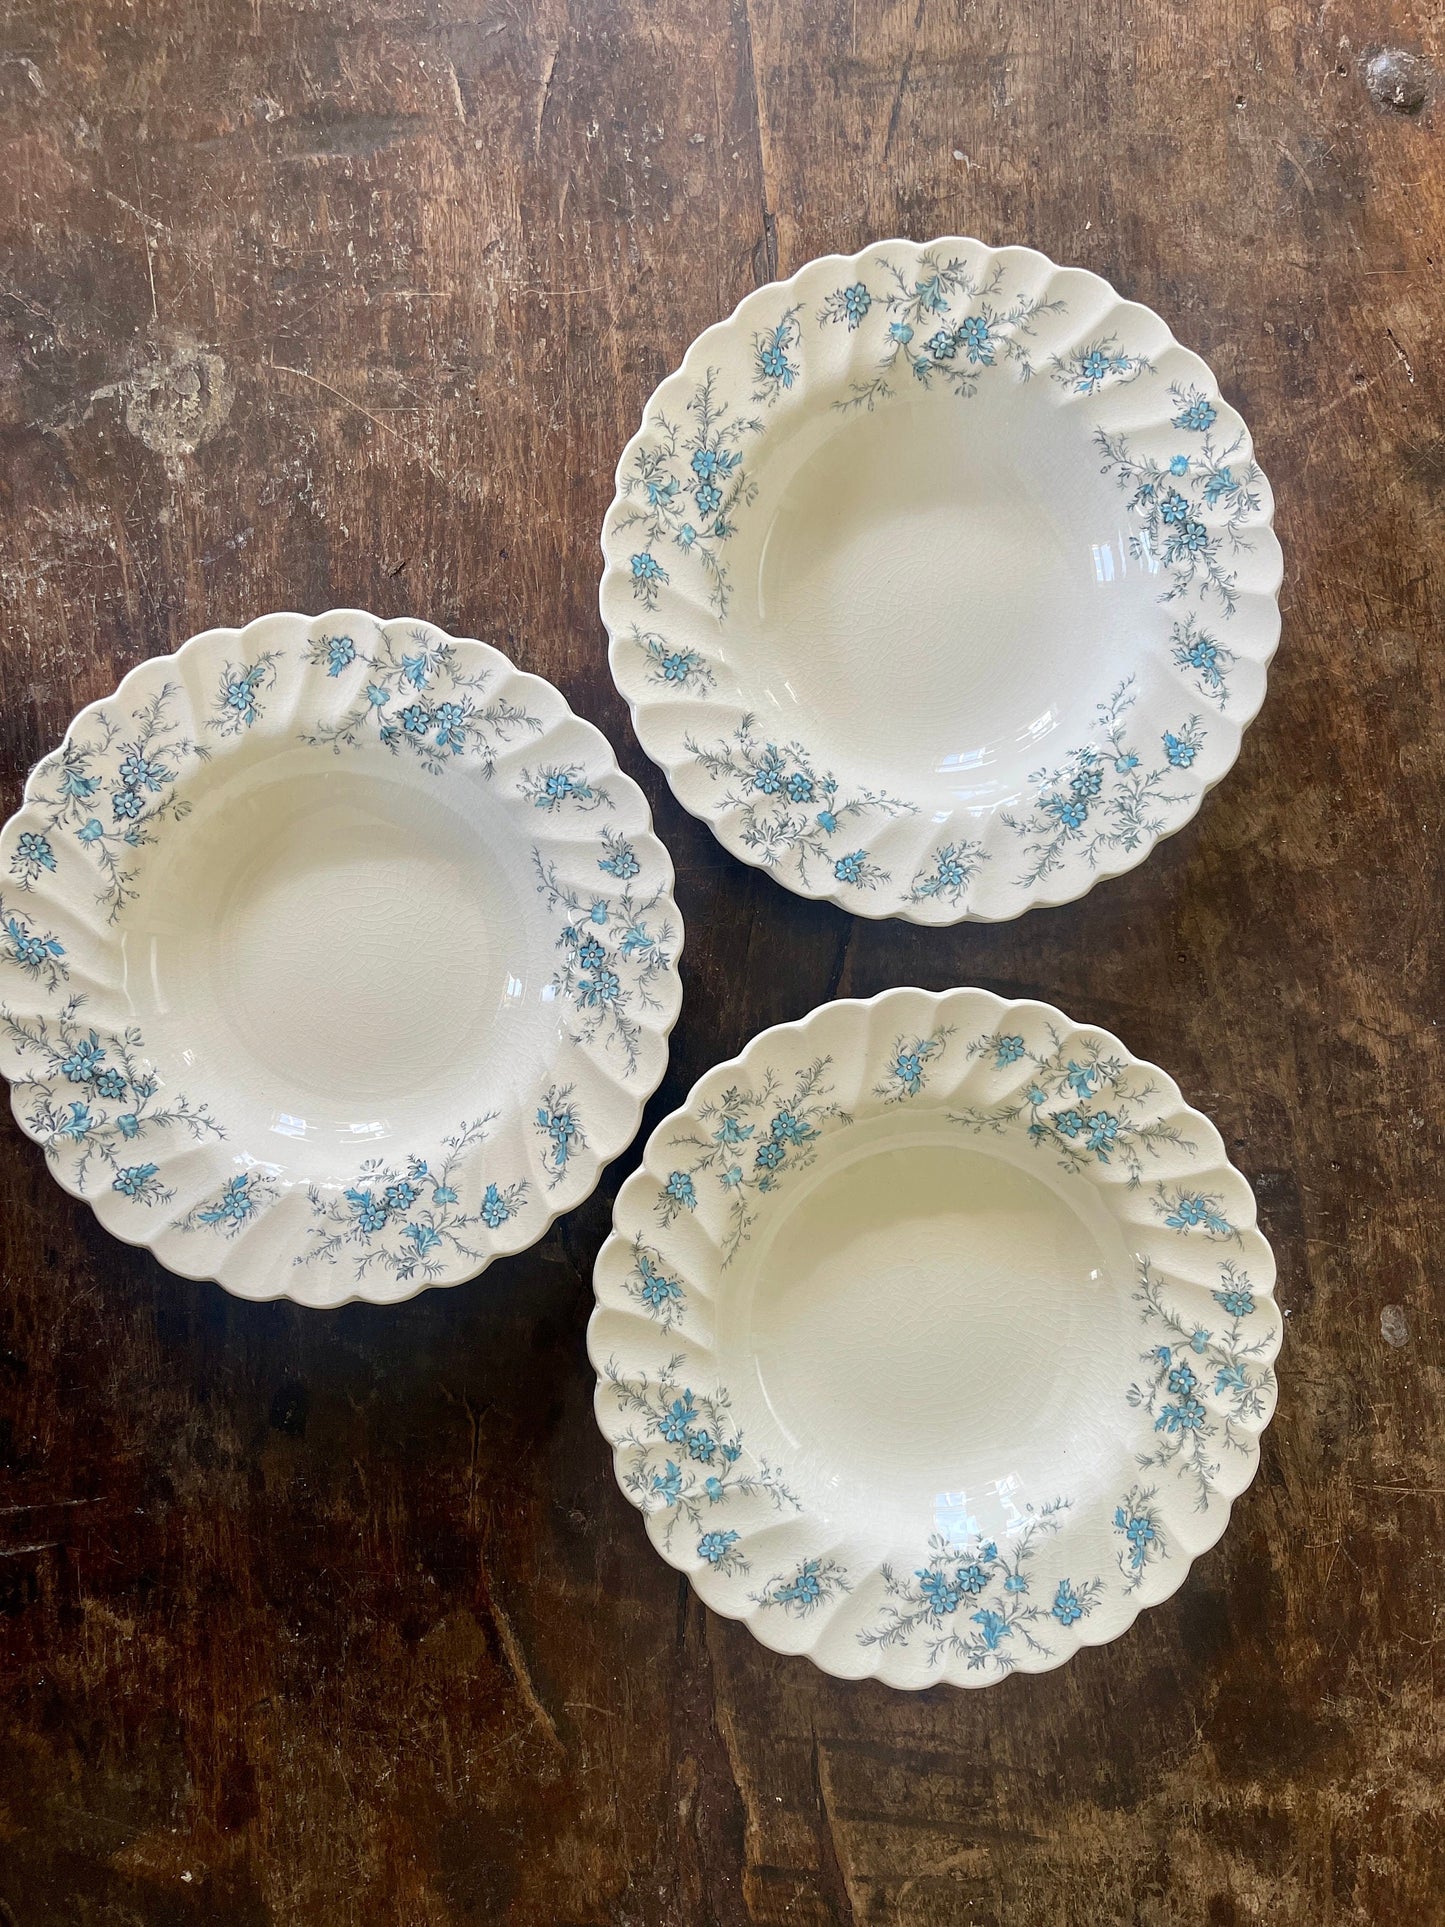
341,1620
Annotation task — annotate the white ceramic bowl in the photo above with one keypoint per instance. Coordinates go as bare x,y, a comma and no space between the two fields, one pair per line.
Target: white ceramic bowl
336,957
940,581
934,1337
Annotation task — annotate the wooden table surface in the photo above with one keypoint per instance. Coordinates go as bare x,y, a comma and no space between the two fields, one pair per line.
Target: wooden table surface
341,1619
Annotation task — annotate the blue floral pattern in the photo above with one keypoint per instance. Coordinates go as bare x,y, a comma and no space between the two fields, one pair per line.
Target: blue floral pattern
107,790
95,1101
1192,509
973,1600
649,1285
809,1585
684,488
1203,658
674,669
615,951
237,702
684,1459
37,951
1098,364
1187,1211
1078,1100
416,701
939,322
1109,795
947,873
559,1125
774,368
1204,1386
793,812
749,1141
909,1065
239,1202
1138,1523
408,1218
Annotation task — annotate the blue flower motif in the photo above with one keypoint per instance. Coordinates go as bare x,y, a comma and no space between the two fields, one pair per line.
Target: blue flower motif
686,536
701,1445
849,869
1202,653
1221,482
733,1176
78,1123
943,346
975,336
1187,1416
1008,1051
599,912
768,777
1123,764
1180,751
1173,506
714,1488
495,1209
971,1579
774,364
1179,465
414,671
1199,1340
443,1194
1193,1211
601,988
401,1196
657,1291
659,492
139,772
424,1236
714,1546
132,1182
771,1153
591,954
667,1484
931,298
993,1626
941,1595
416,719
709,498
1103,1130
76,785
800,787
901,332
371,1212
1190,539
451,722
1087,783
1016,1583
646,568
622,863
1036,1095
1071,1123
679,665
84,1060
790,1128
705,463
676,1423
34,852
732,1130
127,803
340,650
908,1069
680,1189
92,831
1197,414
128,1125
1066,1607
856,303
1072,815
827,822
110,1083
377,696
1182,1381
1238,1302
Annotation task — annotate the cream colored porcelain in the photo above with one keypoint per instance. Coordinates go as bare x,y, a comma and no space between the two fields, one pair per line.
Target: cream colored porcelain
934,1337
940,581
336,957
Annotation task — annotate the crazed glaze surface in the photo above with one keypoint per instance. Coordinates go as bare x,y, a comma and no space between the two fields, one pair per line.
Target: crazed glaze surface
940,580
336,957
935,1337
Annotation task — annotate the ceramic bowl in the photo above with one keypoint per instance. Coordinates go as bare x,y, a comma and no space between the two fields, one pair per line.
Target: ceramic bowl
934,1338
940,581
336,957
